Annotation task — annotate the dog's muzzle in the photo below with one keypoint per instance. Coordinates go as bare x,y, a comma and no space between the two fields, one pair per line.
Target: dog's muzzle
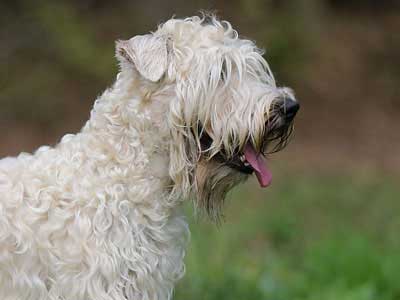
277,132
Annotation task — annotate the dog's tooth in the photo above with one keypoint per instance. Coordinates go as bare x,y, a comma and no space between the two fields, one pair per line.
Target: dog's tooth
242,158
246,164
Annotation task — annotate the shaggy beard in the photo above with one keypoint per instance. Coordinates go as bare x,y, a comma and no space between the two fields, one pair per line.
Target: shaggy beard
213,181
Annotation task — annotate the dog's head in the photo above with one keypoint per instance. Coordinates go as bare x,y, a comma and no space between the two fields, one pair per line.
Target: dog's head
225,112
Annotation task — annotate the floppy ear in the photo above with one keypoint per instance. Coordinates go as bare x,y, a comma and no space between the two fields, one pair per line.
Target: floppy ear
148,53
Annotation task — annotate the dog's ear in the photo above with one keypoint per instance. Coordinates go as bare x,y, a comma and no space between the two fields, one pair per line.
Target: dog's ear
147,53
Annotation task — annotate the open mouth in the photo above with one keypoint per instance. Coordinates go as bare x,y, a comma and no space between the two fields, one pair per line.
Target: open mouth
249,160
252,161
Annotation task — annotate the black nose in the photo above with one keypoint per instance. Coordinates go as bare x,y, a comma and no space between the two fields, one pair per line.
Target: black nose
289,108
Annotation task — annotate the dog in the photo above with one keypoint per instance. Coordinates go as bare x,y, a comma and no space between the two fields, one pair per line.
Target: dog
194,111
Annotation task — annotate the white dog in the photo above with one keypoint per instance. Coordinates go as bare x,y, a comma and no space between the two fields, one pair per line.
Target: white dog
193,111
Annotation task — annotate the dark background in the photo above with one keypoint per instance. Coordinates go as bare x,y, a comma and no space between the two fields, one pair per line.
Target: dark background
328,227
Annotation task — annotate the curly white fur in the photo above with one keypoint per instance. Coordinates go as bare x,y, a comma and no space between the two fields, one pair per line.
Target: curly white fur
98,216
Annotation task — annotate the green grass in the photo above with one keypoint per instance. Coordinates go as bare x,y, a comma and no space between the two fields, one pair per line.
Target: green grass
311,237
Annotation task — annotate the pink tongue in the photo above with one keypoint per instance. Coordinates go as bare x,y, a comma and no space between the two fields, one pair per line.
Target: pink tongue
259,165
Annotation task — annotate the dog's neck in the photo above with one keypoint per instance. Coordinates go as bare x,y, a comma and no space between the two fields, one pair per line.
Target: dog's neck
127,146
125,123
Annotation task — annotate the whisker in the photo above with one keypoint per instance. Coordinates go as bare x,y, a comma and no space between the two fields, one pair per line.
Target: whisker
277,139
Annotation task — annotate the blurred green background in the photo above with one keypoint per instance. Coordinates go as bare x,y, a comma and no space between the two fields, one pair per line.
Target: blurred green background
328,228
